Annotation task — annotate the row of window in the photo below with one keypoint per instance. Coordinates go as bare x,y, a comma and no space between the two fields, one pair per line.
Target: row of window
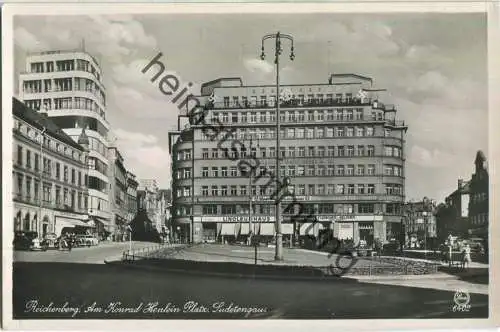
478,197
31,160
79,103
64,65
64,84
339,114
294,152
28,188
294,170
308,208
479,219
270,100
301,189
294,133
48,143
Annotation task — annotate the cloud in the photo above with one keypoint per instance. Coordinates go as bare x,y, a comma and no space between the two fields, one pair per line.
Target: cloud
109,37
142,153
260,66
430,158
131,102
27,41
136,138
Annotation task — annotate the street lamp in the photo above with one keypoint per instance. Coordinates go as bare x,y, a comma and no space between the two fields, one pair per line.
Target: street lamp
277,52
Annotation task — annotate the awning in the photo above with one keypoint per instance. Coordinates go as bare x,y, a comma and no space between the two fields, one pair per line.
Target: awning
244,230
267,229
346,231
287,229
309,229
227,229
62,222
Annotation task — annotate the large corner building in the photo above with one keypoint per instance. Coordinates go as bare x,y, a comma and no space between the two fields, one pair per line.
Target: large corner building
67,86
341,146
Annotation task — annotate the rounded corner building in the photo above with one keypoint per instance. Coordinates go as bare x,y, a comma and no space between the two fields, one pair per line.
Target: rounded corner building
341,147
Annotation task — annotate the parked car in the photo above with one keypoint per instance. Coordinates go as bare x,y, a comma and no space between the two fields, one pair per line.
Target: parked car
85,240
92,240
391,248
37,244
50,241
27,240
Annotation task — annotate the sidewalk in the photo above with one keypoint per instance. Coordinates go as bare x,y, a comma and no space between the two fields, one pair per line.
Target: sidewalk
439,281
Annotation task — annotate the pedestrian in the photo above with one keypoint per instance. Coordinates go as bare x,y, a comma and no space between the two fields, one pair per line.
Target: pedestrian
70,241
466,256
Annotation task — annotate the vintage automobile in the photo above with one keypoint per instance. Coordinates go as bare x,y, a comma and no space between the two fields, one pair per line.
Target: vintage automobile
27,240
50,241
86,240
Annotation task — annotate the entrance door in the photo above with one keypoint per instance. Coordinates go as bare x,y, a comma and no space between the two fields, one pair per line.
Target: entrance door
44,229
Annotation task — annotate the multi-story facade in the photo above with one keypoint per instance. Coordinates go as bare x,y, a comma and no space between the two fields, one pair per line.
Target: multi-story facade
147,194
452,216
118,196
49,175
420,223
342,148
131,196
67,86
164,205
478,204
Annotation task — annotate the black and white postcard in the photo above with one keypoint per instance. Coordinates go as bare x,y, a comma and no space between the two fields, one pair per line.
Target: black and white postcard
247,166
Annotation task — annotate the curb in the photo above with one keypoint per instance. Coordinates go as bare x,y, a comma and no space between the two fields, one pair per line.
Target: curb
282,277
230,275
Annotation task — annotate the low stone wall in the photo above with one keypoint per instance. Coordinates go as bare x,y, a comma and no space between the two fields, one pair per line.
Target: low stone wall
409,266
287,270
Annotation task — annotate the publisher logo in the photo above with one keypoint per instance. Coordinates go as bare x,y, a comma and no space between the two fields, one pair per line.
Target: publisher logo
462,300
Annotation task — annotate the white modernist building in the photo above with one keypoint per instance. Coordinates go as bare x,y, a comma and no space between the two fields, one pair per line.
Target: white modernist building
67,86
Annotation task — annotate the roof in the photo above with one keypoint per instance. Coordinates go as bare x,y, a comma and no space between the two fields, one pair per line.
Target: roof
365,78
217,80
463,190
83,138
41,121
480,157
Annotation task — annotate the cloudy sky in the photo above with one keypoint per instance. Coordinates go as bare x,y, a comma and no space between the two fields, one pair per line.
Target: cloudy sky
433,65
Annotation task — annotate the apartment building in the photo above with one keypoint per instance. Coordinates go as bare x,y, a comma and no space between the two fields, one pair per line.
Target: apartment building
49,175
341,147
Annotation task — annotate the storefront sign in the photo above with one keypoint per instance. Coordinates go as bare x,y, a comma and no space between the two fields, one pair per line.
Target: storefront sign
234,219
245,219
283,198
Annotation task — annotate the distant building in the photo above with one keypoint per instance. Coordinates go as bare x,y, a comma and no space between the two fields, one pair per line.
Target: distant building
164,206
147,196
117,175
452,216
49,175
420,223
131,196
478,204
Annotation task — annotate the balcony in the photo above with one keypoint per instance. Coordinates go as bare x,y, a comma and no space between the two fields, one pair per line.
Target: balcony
395,123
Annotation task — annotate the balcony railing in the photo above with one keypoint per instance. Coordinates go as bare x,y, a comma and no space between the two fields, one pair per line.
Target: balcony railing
289,104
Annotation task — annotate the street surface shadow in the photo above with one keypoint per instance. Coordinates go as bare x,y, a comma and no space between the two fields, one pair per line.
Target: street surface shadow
82,286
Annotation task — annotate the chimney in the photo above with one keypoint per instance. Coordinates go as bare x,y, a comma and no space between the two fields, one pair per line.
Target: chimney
460,183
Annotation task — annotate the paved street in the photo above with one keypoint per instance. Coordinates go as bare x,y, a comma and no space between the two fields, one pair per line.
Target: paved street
82,284
92,255
80,279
